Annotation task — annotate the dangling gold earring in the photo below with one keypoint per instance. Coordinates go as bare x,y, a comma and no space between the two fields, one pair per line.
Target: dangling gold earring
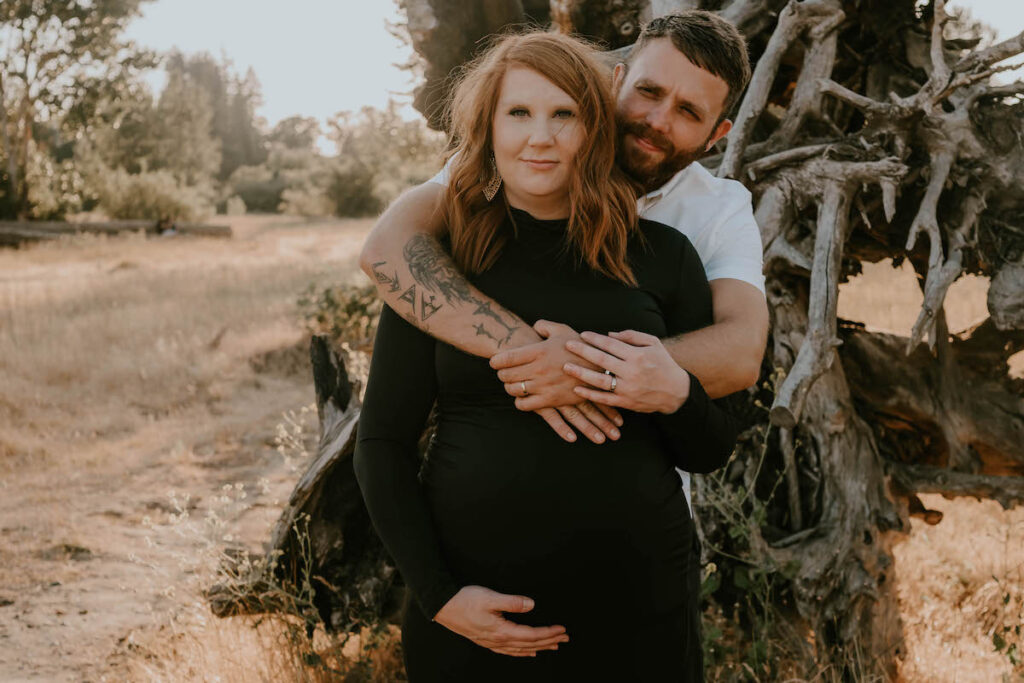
494,184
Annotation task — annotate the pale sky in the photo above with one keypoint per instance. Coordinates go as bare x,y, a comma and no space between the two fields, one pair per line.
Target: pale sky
312,57
318,57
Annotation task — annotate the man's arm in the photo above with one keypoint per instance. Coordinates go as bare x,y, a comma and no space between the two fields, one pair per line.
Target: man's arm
726,356
418,280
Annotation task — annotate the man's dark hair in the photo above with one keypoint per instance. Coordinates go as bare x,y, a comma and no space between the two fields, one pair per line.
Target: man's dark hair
710,42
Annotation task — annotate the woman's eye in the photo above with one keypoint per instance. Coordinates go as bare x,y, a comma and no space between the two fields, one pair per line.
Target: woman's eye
564,114
519,111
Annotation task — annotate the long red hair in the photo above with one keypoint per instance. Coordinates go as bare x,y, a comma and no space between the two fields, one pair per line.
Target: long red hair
602,199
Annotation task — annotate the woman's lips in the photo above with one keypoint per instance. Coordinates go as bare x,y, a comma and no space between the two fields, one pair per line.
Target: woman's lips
540,164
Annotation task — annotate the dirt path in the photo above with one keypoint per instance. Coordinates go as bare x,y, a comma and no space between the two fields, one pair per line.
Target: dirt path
142,385
98,565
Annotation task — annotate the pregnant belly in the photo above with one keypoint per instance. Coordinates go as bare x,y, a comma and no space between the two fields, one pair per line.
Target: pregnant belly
519,510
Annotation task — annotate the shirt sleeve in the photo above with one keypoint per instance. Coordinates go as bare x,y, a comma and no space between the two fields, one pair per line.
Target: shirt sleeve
736,246
400,392
702,433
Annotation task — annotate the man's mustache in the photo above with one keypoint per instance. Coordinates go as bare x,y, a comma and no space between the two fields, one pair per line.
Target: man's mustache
643,130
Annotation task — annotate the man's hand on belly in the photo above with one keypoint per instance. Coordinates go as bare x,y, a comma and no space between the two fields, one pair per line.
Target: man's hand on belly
549,389
475,612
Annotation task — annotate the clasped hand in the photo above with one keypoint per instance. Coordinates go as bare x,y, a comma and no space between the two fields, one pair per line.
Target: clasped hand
646,378
569,368
475,612
549,391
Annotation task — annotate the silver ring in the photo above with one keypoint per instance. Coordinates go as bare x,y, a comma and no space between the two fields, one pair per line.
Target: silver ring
615,381
525,391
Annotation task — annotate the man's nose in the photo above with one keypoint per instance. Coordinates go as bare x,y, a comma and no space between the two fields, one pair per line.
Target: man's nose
659,119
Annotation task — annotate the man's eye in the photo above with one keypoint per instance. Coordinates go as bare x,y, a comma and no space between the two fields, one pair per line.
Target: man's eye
645,89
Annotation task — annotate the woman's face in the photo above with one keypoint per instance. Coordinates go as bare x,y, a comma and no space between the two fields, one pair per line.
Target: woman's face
537,134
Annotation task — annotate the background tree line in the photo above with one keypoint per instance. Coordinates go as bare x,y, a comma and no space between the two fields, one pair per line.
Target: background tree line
80,130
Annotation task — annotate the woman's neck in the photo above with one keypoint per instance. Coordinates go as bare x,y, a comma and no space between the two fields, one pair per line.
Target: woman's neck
541,208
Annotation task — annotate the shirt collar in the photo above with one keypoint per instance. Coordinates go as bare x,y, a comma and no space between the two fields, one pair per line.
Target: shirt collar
654,196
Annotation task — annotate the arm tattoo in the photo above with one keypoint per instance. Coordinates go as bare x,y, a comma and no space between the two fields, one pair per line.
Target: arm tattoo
482,331
437,276
433,269
385,279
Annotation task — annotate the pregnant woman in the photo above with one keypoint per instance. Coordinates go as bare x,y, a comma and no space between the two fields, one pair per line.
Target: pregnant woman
530,558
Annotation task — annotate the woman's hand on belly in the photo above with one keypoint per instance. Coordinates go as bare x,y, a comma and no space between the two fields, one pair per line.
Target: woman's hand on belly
475,612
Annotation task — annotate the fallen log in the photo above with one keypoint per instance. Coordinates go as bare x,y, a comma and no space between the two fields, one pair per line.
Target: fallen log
14,233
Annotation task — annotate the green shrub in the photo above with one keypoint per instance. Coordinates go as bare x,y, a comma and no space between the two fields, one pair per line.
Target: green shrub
344,314
351,189
258,187
153,195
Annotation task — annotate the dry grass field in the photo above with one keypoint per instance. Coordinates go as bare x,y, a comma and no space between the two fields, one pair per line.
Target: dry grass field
143,383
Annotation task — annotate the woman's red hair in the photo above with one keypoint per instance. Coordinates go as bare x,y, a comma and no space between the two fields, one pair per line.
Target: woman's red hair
602,199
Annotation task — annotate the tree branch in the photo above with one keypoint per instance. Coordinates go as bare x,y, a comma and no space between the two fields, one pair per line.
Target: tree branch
793,20
817,353
1008,491
997,53
940,70
939,279
926,220
792,478
870,107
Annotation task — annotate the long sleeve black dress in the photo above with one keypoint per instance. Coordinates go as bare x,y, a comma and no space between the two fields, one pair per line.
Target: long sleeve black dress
599,536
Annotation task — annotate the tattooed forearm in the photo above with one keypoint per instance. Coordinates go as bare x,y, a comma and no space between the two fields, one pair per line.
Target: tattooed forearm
432,283
434,271
432,268
481,331
383,278
484,308
428,302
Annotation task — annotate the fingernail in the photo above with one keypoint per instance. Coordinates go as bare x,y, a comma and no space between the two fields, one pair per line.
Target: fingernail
615,433
600,438
570,436
618,421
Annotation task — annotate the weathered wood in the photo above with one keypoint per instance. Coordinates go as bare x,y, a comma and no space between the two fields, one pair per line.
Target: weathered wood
1007,491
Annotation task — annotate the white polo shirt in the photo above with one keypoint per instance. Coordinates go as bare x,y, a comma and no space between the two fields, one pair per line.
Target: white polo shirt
717,216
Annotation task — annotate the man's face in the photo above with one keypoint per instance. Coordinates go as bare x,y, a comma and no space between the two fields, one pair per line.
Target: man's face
667,109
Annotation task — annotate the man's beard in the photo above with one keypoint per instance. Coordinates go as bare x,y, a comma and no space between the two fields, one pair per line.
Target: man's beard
641,168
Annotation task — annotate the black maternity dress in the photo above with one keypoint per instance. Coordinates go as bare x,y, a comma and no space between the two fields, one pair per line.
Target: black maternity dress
599,536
